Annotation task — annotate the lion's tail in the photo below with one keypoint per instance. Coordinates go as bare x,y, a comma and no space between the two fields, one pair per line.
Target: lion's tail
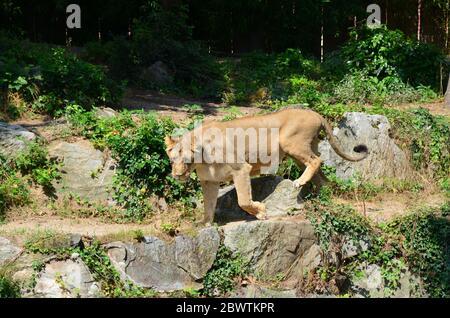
360,150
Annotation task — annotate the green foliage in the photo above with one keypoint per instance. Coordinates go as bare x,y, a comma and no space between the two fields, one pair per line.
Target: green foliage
8,288
143,167
258,77
34,161
48,242
289,169
13,188
232,112
425,240
359,87
161,35
224,273
418,241
49,78
386,53
331,220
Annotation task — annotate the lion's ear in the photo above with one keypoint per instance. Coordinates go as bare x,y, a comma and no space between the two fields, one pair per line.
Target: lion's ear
168,141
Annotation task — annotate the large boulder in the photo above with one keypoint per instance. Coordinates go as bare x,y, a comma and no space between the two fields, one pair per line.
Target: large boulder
270,247
385,158
8,251
105,113
13,139
279,195
157,73
86,171
66,279
164,266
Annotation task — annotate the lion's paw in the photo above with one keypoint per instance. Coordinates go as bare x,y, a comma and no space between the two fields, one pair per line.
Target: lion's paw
299,183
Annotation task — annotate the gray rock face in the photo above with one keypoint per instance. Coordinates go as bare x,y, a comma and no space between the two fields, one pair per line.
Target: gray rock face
66,279
255,291
166,266
372,284
157,73
270,247
13,139
8,251
279,195
105,112
85,172
385,158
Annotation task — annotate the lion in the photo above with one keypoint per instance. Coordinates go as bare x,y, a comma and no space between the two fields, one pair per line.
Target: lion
290,132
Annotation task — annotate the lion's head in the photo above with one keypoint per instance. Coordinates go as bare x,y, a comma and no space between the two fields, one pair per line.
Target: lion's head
180,156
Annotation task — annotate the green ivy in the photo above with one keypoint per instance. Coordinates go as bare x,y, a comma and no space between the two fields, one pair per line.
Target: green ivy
224,273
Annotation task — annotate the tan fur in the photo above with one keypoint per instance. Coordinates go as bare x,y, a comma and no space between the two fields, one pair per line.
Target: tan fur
298,138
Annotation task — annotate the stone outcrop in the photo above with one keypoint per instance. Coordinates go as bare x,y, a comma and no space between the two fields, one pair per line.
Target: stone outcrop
8,251
385,158
279,195
86,171
13,139
165,266
270,247
66,279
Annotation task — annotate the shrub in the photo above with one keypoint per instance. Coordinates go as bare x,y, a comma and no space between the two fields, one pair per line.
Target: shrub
224,274
418,241
425,238
259,77
143,167
13,189
34,161
49,78
8,288
361,88
382,52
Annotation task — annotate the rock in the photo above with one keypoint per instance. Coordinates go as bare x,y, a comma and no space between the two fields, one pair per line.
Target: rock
105,113
279,195
66,279
255,291
311,259
270,247
410,286
158,73
196,255
385,158
13,139
371,284
164,266
76,241
85,172
8,251
350,248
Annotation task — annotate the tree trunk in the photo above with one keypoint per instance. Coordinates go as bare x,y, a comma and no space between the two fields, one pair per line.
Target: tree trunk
447,94
321,36
419,19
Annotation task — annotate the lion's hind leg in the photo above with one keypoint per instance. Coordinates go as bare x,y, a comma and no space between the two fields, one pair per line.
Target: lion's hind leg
308,158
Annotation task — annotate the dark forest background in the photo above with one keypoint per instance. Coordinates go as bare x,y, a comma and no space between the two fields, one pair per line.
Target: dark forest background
229,27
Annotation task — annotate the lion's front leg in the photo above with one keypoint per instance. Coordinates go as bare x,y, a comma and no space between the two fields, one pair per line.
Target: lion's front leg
210,192
244,193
